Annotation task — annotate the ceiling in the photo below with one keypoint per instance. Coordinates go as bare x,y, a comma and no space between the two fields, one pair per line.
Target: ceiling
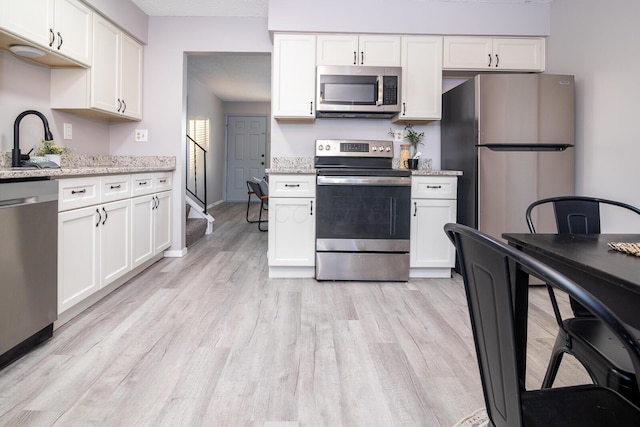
235,77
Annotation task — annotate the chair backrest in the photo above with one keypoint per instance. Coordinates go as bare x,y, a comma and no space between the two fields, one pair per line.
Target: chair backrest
576,214
489,268
259,188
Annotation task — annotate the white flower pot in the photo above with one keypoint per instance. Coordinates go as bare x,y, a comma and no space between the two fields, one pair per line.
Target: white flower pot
55,158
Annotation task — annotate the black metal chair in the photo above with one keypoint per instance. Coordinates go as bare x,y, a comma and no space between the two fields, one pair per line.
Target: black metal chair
261,190
490,269
584,336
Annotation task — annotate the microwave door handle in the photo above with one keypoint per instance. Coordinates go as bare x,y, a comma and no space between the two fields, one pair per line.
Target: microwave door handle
380,85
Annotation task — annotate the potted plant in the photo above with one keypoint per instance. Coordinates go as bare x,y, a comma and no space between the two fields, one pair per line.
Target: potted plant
51,151
414,139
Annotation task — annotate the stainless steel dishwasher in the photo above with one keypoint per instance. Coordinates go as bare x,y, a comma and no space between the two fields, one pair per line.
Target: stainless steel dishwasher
28,265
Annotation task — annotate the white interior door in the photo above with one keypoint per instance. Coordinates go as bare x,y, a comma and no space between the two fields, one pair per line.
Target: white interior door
246,153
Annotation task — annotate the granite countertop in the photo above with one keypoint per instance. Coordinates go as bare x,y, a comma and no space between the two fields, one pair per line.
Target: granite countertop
84,165
304,165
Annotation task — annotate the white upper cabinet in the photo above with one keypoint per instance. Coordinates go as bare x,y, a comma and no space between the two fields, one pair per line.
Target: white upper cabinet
369,50
60,26
294,76
112,88
494,53
421,78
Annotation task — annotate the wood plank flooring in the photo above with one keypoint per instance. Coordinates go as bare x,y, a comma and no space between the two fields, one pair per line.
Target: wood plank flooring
209,339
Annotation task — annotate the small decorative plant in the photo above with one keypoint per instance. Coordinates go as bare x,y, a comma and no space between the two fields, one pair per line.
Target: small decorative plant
413,137
50,147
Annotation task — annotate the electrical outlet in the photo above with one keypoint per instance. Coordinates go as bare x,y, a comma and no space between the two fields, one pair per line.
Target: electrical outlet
398,136
68,131
142,135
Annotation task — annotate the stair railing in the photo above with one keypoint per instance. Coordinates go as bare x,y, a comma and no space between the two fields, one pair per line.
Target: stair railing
197,172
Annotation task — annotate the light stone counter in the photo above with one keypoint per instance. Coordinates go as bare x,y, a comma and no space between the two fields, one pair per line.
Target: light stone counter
304,165
86,165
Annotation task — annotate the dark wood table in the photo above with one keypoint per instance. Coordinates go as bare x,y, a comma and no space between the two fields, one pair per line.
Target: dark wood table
611,276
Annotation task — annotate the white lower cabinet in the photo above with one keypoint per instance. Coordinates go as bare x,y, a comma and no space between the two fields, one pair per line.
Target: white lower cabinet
292,226
104,233
433,204
93,247
151,221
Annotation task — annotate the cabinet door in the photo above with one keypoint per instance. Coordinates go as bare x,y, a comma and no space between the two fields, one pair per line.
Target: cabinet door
105,85
294,75
468,53
292,232
430,247
78,256
28,19
131,77
142,214
379,51
335,49
519,54
421,78
115,241
162,221
73,27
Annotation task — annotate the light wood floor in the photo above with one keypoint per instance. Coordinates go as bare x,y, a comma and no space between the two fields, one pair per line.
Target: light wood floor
209,340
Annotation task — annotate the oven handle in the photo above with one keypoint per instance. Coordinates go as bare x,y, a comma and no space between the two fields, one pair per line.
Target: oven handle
393,181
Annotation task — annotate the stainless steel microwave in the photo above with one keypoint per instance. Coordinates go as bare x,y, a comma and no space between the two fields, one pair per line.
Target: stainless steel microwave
358,92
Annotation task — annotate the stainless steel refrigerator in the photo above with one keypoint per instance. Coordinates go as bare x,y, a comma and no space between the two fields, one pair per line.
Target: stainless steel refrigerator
512,136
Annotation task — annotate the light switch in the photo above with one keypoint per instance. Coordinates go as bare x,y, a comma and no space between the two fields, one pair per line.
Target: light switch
68,131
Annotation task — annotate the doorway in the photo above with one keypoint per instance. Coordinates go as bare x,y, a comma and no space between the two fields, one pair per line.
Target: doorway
246,153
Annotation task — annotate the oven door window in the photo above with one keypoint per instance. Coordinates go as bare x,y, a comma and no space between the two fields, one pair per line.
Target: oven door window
362,212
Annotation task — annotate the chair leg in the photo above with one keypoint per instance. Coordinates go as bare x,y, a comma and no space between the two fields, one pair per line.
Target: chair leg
248,206
260,220
552,369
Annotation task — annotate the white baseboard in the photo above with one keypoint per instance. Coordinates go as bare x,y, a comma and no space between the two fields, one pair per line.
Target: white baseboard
175,254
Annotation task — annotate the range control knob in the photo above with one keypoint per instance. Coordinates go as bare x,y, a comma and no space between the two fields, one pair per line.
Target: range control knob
327,147
388,149
320,147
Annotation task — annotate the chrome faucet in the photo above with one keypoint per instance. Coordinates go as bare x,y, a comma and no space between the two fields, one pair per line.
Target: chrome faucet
15,153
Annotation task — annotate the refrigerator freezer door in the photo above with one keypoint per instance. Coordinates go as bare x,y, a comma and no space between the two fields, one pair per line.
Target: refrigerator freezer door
525,109
509,181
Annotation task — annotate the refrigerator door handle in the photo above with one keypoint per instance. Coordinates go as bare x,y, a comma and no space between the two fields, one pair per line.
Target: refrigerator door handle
526,147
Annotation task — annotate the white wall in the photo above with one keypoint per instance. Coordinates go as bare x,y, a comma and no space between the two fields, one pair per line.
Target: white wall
165,89
202,104
26,86
409,17
598,42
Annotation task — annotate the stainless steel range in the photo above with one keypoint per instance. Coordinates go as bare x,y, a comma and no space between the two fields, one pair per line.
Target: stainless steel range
362,213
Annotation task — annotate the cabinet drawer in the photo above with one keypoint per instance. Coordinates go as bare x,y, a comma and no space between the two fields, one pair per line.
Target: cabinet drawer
115,187
162,181
141,184
292,185
78,192
434,187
